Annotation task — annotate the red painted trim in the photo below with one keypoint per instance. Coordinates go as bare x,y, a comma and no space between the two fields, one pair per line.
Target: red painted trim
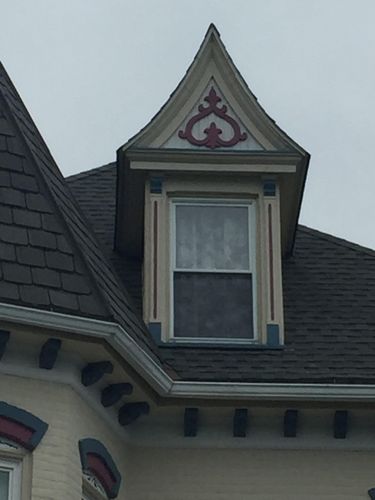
99,468
155,255
14,431
270,251
212,139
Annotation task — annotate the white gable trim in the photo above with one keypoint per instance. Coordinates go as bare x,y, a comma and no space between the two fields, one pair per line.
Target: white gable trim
213,61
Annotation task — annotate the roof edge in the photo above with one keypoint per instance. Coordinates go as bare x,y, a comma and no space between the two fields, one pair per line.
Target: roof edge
337,240
164,385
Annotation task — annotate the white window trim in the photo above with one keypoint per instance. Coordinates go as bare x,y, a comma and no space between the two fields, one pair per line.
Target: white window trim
92,488
14,469
250,204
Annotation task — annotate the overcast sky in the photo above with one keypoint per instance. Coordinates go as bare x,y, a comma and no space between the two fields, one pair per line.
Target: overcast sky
93,72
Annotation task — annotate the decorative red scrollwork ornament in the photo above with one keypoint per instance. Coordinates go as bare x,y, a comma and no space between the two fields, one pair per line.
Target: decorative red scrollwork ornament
212,139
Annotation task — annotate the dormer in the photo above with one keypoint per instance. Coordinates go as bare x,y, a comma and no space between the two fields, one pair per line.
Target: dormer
208,199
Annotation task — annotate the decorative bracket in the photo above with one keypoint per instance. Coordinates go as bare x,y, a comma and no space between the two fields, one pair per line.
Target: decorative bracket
213,133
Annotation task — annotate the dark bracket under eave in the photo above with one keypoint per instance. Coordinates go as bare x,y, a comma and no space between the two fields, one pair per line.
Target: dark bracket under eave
48,353
340,424
240,422
290,423
130,412
114,392
191,422
4,338
93,372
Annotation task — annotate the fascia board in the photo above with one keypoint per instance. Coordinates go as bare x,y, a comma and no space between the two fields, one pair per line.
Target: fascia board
228,168
123,343
192,156
113,333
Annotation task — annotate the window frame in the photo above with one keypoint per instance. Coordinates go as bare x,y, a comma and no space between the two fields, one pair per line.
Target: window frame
251,206
14,467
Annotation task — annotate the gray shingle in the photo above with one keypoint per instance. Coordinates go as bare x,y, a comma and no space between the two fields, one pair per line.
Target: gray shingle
42,239
34,295
13,234
9,291
63,299
16,273
24,182
26,218
37,202
6,215
59,261
10,196
31,256
46,277
7,252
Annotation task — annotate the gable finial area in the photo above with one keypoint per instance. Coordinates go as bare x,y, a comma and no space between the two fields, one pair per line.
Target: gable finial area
212,133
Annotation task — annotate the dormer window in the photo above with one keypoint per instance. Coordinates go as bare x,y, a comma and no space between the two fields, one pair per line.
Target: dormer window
208,201
213,282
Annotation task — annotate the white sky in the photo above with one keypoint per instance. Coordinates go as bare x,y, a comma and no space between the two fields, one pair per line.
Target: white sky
93,72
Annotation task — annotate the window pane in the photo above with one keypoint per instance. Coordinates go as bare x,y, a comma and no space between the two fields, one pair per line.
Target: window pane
212,237
213,305
4,485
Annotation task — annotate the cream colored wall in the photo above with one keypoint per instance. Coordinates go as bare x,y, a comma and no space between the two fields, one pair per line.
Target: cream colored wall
56,466
191,474
157,473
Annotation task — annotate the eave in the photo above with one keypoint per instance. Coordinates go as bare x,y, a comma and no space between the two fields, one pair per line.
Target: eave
173,390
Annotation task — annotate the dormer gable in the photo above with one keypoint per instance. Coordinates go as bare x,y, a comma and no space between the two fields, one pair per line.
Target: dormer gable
213,164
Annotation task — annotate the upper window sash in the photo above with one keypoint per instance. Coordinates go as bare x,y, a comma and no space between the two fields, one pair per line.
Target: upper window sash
245,248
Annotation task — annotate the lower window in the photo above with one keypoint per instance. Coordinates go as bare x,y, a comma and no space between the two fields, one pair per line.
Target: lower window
10,480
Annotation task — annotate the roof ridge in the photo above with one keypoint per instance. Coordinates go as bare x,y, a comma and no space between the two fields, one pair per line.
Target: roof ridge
337,240
88,173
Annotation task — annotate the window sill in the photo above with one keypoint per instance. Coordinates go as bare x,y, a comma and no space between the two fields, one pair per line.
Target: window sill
193,343
216,344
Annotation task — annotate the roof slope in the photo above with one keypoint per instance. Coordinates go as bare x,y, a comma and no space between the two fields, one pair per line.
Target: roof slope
49,258
329,300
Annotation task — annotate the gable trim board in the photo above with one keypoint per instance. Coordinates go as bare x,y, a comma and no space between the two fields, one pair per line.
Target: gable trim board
165,386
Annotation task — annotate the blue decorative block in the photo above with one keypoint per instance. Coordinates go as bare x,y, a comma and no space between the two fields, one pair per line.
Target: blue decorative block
156,184
273,335
269,188
155,330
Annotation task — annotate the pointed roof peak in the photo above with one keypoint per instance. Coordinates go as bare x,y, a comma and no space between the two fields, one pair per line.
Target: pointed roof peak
212,30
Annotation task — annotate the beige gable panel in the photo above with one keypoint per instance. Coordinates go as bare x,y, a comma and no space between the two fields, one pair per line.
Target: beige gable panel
232,128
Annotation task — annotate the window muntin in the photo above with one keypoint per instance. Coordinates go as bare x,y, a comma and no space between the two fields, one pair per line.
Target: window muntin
213,268
10,480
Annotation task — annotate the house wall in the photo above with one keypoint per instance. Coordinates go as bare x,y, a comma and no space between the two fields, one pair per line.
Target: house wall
178,472
56,466
218,474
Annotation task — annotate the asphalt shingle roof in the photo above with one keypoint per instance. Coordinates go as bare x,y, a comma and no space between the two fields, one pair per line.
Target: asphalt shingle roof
56,253
329,303
49,257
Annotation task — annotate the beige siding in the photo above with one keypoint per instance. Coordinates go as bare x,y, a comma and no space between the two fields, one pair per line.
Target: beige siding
151,473
56,468
188,474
